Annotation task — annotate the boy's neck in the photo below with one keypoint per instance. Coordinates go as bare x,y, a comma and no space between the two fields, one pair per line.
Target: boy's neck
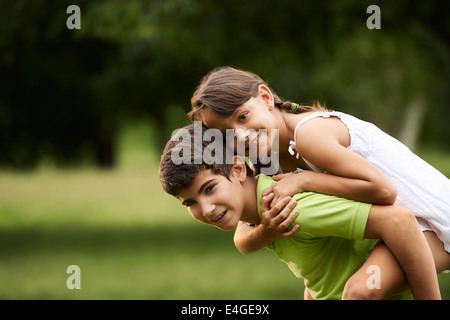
250,213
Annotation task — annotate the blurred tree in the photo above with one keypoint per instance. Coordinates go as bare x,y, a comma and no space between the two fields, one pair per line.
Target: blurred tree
47,105
66,93
397,76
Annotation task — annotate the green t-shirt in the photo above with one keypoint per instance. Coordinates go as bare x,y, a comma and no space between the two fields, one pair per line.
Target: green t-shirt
329,247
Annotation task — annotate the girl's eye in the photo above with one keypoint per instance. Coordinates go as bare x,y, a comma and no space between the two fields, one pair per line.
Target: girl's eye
243,116
209,188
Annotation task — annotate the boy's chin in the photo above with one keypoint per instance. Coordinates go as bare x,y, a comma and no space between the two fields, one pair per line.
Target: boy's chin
227,227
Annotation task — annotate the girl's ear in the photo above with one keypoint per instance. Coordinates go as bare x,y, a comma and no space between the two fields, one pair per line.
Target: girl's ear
266,96
238,169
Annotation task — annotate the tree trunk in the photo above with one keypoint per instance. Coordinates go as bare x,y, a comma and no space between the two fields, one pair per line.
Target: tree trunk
412,124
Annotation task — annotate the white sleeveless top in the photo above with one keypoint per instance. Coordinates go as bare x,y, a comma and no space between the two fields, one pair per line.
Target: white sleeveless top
420,187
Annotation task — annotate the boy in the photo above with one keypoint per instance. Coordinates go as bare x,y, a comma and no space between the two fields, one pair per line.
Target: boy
327,249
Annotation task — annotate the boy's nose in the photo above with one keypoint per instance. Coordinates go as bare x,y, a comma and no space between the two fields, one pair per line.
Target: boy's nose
207,210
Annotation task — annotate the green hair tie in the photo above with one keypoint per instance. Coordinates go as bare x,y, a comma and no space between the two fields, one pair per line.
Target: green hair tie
294,107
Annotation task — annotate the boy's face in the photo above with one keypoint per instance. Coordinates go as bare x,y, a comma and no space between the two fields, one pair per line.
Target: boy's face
215,200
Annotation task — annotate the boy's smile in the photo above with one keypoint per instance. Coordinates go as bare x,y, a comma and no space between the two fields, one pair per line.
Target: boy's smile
215,200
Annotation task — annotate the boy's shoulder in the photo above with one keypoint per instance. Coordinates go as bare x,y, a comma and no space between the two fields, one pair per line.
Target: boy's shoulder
322,215
264,182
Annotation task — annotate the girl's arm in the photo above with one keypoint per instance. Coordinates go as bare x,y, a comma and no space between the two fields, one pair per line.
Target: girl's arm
323,142
274,224
352,177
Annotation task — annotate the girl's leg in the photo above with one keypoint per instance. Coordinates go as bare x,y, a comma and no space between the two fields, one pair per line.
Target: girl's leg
399,230
380,277
392,278
441,257
307,295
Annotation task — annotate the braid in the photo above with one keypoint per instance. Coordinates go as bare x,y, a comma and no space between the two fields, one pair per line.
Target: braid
288,106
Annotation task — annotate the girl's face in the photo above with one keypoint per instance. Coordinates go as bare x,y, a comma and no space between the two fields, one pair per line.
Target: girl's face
253,124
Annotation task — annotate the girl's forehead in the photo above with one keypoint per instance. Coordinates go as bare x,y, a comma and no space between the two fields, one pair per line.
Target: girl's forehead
213,120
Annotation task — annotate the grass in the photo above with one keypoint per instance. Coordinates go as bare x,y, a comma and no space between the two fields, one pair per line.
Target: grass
130,239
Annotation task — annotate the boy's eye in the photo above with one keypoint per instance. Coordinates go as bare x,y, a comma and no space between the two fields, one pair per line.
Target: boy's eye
243,116
209,188
189,203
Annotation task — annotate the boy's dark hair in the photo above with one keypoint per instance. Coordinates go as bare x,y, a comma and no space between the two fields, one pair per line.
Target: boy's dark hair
176,176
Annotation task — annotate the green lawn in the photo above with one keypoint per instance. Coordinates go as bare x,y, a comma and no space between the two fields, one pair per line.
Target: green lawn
130,239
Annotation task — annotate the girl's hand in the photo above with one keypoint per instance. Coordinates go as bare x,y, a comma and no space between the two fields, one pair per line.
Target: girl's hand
287,185
276,220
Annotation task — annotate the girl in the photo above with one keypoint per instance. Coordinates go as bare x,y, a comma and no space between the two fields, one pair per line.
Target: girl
342,156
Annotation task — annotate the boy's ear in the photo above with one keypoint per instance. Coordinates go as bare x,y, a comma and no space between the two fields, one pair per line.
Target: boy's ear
238,169
266,96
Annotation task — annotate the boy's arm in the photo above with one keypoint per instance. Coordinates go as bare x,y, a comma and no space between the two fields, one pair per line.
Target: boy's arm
274,224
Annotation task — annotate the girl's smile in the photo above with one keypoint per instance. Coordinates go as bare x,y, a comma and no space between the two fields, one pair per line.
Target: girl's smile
253,124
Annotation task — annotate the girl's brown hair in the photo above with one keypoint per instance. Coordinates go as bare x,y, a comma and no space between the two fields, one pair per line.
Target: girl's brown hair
225,89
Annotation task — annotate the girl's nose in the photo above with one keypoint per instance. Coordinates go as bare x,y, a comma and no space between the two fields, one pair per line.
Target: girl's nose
241,135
